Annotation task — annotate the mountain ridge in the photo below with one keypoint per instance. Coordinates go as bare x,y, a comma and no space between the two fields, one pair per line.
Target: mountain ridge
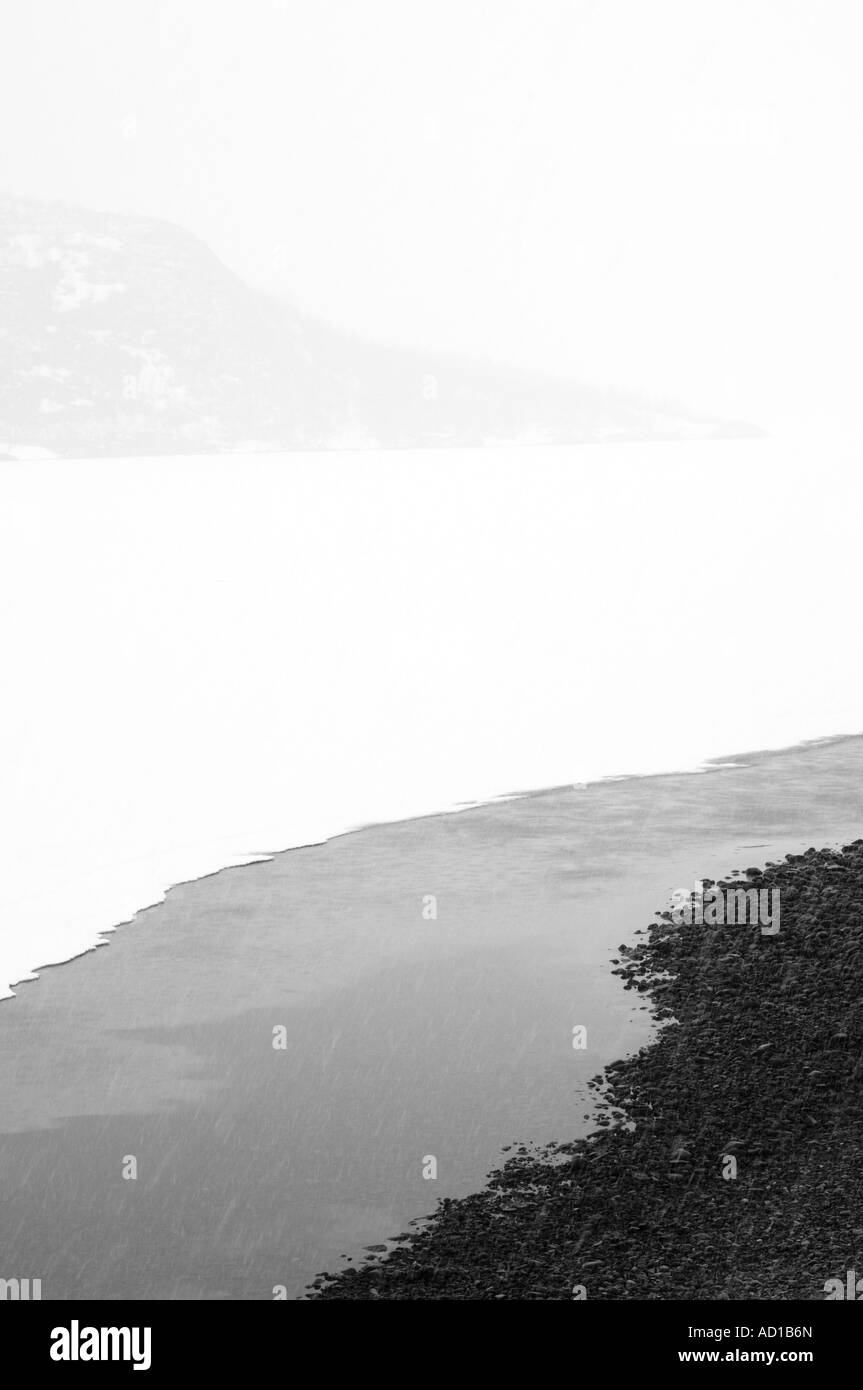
123,334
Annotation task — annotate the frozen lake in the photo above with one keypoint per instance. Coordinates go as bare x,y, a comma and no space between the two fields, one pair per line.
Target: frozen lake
208,659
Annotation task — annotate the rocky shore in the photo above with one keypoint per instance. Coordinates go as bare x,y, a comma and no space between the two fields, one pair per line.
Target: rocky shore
726,1161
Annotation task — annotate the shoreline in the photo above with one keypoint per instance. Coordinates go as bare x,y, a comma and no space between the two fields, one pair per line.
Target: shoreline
727,1165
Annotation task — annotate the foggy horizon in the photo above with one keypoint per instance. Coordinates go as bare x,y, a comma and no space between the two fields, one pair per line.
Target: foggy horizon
601,192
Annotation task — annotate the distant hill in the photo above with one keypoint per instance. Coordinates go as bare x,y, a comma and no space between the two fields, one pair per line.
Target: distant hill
125,335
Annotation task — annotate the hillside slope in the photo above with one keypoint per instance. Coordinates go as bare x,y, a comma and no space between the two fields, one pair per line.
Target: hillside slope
123,335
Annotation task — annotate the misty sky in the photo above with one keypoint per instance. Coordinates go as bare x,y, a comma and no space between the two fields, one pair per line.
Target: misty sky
654,193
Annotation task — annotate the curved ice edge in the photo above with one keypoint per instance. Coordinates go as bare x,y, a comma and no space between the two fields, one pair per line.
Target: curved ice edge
236,862
718,763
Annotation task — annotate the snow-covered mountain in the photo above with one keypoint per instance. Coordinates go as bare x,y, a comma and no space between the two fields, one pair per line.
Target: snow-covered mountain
123,334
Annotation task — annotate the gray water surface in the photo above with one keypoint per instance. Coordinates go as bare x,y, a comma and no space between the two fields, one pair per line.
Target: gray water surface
406,1038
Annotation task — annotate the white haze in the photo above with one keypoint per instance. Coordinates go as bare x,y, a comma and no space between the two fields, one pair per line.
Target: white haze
663,196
